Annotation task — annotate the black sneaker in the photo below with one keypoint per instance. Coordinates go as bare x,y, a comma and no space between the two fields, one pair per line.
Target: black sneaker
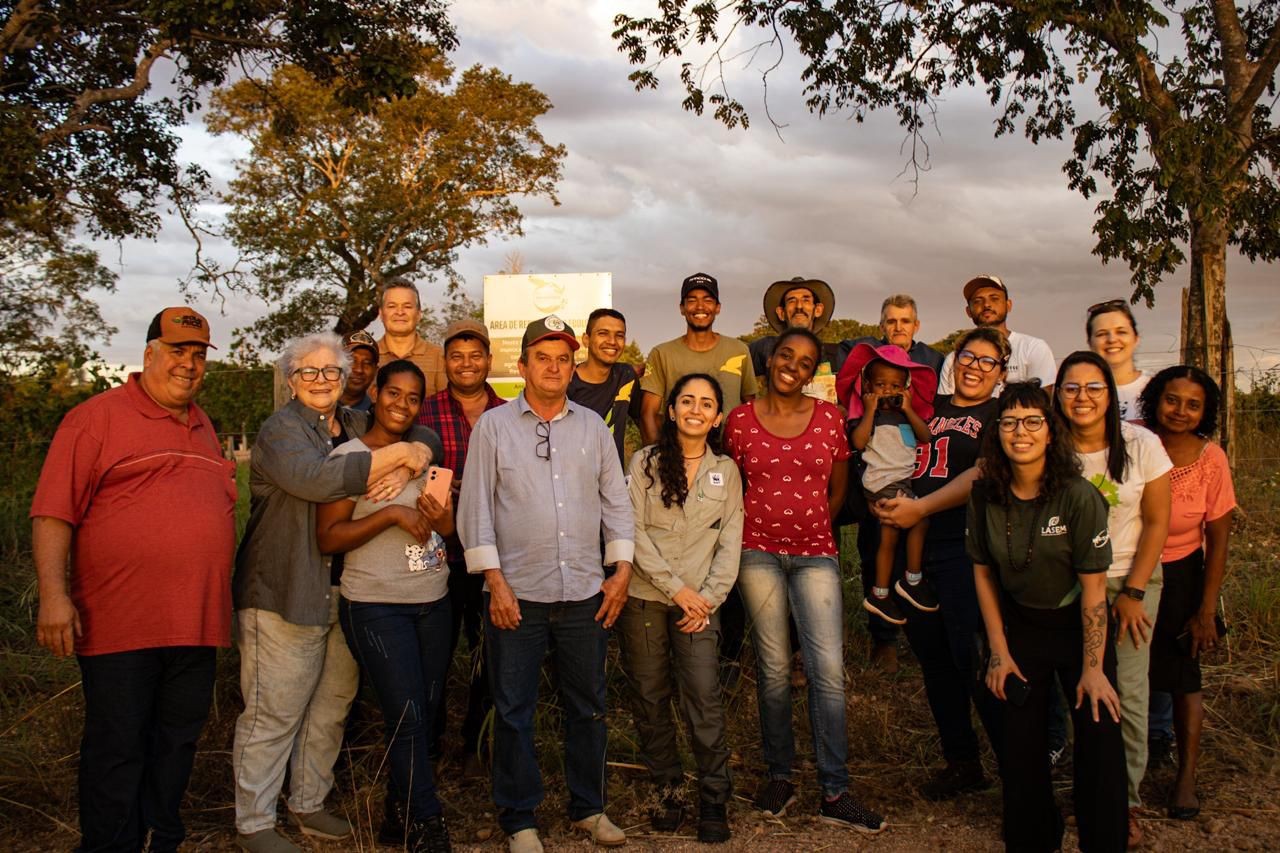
960,777
713,823
919,595
429,836
668,816
775,797
886,608
844,810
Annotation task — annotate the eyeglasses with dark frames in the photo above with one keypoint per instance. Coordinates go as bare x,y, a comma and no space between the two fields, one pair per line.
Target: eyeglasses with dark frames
543,448
311,374
1074,389
985,363
1032,423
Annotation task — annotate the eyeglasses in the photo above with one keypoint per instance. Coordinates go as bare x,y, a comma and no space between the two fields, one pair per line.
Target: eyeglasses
310,374
1031,423
1073,389
985,363
543,447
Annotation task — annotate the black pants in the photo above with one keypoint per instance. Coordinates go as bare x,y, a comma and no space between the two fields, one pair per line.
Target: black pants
143,712
944,644
466,595
1047,644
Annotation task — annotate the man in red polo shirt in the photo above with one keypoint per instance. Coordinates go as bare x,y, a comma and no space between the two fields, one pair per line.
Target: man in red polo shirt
133,529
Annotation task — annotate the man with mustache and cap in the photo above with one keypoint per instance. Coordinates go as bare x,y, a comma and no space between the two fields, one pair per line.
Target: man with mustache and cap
133,535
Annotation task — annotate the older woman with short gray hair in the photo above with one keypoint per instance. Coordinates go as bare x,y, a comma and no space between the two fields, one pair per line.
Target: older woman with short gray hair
296,673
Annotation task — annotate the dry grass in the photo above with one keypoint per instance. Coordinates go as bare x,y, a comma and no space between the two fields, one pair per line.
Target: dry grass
893,744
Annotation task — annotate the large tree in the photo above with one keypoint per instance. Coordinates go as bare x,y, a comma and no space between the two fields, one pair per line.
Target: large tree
1183,152
88,141
90,144
333,200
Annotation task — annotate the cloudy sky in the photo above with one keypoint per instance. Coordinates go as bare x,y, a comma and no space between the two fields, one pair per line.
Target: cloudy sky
652,193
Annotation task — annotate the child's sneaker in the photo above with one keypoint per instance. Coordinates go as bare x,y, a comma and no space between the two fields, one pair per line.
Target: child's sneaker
886,608
844,810
919,595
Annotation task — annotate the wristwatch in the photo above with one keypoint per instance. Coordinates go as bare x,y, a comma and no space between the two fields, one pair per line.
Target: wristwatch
1134,593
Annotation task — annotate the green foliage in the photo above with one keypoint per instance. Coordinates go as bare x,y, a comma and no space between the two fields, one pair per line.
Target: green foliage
82,143
333,200
237,396
948,343
1185,137
632,354
47,317
32,404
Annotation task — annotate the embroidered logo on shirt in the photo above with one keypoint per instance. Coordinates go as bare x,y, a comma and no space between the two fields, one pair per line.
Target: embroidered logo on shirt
1055,527
1102,538
716,478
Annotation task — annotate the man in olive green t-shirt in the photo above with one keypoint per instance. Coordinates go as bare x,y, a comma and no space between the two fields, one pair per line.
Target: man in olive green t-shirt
698,350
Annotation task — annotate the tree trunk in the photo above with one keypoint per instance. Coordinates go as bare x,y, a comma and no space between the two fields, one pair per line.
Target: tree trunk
1206,332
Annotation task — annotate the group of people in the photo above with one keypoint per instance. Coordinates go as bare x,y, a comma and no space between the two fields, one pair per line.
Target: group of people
396,500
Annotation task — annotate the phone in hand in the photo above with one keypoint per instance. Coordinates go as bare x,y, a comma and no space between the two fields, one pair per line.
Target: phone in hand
1016,690
438,482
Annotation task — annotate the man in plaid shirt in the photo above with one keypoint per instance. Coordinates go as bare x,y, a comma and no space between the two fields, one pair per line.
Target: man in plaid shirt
452,413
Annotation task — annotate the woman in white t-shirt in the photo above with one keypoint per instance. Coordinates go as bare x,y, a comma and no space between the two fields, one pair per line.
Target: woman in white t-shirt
395,610
1129,466
1113,334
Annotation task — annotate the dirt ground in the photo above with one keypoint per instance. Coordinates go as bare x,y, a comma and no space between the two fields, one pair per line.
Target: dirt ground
893,749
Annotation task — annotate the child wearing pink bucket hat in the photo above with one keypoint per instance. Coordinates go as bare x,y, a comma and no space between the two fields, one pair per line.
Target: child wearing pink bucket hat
890,397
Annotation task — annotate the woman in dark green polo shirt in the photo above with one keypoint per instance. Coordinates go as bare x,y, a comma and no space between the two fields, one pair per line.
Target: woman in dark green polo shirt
1037,533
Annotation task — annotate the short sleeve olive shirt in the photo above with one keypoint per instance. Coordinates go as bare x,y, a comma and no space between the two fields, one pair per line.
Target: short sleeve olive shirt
1037,549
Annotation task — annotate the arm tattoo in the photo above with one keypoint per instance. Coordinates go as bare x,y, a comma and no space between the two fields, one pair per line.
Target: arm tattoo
1095,632
995,661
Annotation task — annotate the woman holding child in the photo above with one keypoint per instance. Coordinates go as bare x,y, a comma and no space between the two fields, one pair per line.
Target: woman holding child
792,452
943,642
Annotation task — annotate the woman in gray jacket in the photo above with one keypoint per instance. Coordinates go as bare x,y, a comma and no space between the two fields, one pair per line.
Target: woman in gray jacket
688,505
296,674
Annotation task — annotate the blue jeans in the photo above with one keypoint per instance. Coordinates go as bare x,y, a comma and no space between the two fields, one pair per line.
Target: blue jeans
774,586
945,644
403,648
515,668
143,712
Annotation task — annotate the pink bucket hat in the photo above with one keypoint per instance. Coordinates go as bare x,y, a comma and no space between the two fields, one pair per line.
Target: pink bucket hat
924,382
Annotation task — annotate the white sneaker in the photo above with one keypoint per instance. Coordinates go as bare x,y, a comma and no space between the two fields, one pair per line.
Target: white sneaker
601,830
524,841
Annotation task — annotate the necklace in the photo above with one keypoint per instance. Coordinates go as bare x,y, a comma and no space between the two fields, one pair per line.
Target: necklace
699,456
1031,539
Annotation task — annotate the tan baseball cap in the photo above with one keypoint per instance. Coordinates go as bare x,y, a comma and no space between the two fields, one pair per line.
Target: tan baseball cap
178,326
470,328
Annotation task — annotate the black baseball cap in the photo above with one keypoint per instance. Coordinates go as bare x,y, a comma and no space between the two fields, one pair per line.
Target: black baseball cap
700,281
